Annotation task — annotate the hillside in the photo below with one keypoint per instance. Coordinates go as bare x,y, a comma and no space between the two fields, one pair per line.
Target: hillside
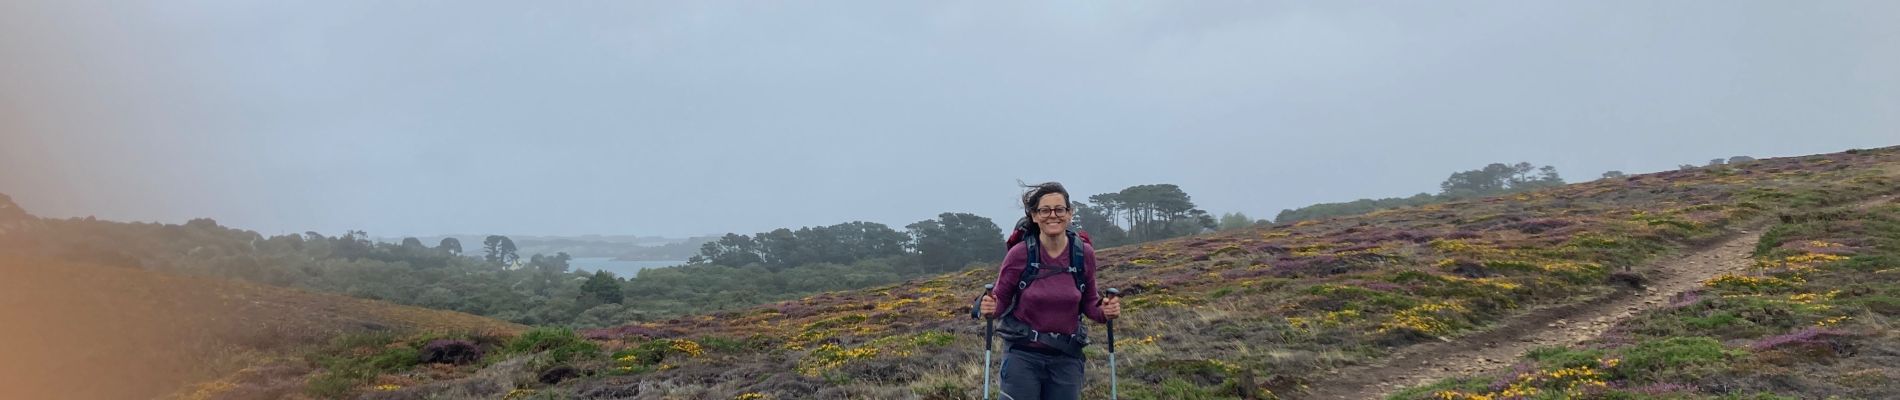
1274,312
1803,309
84,331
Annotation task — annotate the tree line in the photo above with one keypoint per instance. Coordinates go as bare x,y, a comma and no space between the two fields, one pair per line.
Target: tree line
1491,180
493,279
539,289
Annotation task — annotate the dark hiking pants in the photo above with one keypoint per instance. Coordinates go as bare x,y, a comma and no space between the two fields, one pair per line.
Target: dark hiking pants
1029,375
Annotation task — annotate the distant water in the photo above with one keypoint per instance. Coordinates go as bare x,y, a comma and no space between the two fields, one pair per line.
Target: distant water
624,269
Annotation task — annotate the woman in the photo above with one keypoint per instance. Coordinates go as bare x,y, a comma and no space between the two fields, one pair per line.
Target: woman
1041,319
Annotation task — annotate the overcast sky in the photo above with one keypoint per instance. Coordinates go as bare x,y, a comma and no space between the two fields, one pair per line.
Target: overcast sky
690,117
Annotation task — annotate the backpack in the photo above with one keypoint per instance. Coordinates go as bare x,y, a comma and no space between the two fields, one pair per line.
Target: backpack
1015,331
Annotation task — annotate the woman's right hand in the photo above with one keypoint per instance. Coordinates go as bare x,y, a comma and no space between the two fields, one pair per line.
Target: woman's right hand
988,306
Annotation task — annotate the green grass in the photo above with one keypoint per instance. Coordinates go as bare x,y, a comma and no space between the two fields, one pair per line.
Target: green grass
556,345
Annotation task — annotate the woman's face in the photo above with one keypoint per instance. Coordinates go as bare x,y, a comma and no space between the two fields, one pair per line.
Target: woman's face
1052,213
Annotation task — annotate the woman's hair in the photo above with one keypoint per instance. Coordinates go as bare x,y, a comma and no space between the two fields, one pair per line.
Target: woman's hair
1036,191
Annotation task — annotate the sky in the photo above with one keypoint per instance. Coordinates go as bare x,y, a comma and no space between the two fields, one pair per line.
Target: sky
682,118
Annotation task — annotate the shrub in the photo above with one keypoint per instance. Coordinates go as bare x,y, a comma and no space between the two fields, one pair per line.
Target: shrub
1672,357
1562,357
451,351
557,344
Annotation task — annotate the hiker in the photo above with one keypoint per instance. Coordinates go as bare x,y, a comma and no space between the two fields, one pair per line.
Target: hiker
1042,322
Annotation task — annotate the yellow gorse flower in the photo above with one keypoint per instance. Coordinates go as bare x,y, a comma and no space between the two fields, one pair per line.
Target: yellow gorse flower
689,347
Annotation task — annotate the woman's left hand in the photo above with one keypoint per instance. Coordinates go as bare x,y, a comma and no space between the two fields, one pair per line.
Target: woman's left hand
1112,307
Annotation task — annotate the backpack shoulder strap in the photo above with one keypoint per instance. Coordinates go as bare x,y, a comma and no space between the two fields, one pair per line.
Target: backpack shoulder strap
1076,267
1034,267
1030,271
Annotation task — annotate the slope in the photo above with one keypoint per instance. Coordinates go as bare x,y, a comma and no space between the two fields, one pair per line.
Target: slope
82,331
1262,313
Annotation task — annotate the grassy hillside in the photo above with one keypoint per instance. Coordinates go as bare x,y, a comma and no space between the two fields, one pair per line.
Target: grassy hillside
1814,318
83,331
1259,313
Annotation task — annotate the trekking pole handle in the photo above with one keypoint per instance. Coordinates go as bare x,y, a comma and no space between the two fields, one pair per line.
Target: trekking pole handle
976,307
989,324
1112,292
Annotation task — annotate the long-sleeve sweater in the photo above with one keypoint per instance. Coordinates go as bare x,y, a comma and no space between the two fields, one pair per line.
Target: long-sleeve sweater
1050,302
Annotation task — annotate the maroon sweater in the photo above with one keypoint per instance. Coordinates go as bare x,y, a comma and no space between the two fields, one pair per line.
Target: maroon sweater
1049,305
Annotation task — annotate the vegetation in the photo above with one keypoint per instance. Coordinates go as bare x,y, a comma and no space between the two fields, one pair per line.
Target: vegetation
1813,320
149,333
1141,213
1494,179
735,271
1254,312
1260,312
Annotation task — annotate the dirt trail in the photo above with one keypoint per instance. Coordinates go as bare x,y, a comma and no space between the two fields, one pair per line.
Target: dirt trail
1497,349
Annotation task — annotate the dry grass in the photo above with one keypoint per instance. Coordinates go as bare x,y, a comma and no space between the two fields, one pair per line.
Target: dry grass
80,331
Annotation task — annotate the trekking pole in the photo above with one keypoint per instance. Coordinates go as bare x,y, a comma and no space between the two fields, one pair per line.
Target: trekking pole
989,333
1114,390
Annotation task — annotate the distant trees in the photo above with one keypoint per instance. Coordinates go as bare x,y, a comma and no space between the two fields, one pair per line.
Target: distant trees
1235,220
1100,224
783,248
1731,160
603,287
1614,175
954,240
450,246
499,250
1143,213
1498,178
1492,180
1355,207
732,249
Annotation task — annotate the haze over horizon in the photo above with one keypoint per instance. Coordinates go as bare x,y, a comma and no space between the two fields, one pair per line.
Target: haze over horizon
683,119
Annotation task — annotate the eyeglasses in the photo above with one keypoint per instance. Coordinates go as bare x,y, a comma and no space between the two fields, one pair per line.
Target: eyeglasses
1052,211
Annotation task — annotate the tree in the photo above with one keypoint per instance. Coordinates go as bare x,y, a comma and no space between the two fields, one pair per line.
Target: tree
730,250
450,245
1100,225
603,287
352,245
774,246
954,240
500,250
1111,206
410,243
1740,159
1151,212
1546,178
546,271
1234,220
1154,210
1717,162
1614,175
1499,178
859,240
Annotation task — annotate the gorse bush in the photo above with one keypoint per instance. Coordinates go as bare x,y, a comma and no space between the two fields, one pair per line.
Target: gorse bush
555,344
